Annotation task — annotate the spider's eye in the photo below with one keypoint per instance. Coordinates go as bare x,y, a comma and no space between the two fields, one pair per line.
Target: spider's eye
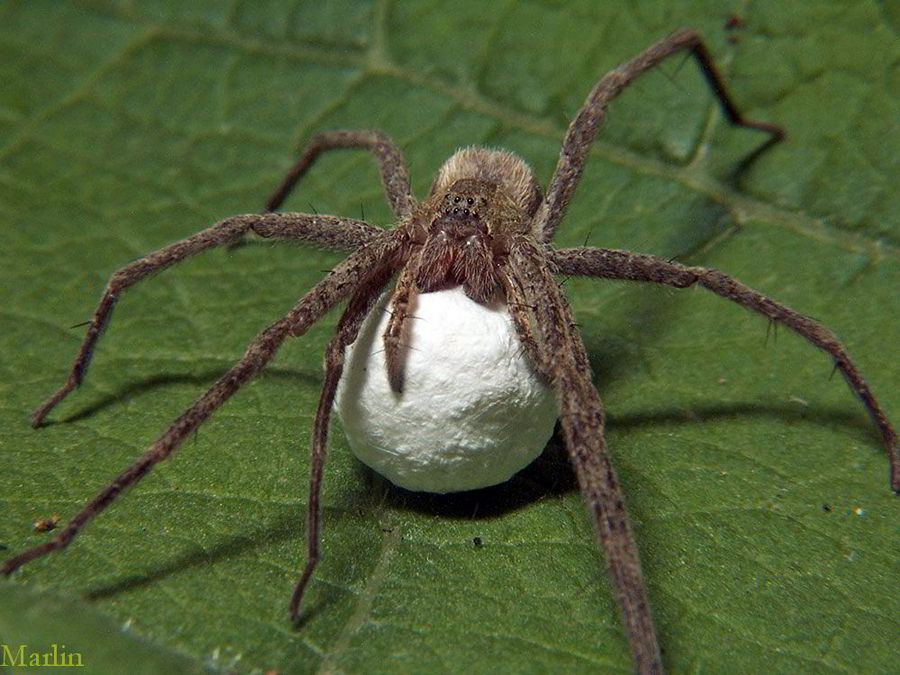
470,201
456,200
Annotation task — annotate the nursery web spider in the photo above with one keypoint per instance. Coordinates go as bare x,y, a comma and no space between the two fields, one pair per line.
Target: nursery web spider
486,226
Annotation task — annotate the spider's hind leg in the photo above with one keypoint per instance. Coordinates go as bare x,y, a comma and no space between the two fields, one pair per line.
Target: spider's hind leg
394,176
348,328
580,135
614,264
350,278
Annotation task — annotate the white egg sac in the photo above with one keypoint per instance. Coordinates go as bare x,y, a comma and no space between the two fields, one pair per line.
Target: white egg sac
472,411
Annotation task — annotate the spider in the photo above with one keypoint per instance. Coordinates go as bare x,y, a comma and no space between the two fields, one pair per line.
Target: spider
486,227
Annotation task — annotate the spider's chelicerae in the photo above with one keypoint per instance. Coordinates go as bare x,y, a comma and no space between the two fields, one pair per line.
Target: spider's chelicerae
487,228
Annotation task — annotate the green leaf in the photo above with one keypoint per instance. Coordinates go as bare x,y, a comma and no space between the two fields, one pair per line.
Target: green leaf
37,627
757,485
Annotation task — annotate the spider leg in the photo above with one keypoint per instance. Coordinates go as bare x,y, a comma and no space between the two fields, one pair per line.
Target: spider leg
340,284
614,264
326,231
582,421
583,129
404,293
394,176
348,328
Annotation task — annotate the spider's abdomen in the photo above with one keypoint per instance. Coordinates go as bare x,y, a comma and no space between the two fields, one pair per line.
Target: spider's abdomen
472,412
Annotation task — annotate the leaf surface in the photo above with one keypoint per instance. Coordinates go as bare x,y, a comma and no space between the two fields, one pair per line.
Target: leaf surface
757,486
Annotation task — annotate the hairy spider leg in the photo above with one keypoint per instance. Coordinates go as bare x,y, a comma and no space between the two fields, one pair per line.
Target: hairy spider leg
615,264
582,420
394,176
583,129
348,328
326,231
344,281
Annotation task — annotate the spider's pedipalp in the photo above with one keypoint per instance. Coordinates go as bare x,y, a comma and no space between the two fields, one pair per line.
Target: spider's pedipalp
393,337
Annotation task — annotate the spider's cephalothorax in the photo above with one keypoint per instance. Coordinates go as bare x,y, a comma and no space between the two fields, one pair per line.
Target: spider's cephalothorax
499,249
480,199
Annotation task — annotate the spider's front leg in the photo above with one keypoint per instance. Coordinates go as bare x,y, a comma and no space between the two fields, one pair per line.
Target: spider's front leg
345,280
549,326
615,264
325,231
